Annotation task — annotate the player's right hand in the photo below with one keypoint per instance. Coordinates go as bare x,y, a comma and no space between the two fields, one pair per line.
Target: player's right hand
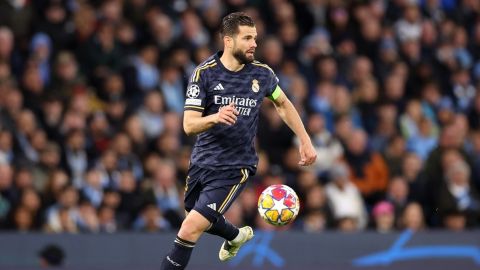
308,155
227,114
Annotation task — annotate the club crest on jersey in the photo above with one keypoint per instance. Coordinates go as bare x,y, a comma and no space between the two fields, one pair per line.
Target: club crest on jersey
255,86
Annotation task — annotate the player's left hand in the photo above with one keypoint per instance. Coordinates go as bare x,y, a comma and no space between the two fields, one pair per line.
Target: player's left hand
308,155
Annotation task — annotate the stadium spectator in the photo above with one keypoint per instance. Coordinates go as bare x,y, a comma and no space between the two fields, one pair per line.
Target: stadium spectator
151,114
410,120
92,188
316,211
394,152
7,41
126,160
368,170
457,198
62,216
56,181
146,73
172,86
425,140
397,195
474,113
150,220
413,174
75,157
412,218
101,53
22,220
384,217
107,165
366,94
305,181
134,130
315,221
164,192
6,146
107,220
343,196
87,219
12,107
130,200
30,201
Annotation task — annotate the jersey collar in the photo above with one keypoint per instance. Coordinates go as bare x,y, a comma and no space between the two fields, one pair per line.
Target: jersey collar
220,64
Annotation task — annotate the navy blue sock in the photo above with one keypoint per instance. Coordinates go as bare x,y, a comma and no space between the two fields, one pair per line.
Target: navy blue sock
179,256
224,229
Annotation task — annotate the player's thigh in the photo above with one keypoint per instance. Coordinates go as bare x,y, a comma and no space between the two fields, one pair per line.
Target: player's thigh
193,188
218,195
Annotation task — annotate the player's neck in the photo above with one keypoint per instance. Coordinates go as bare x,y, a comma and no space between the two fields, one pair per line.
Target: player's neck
230,62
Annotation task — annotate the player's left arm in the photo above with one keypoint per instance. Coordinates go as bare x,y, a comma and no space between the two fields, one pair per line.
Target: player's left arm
290,116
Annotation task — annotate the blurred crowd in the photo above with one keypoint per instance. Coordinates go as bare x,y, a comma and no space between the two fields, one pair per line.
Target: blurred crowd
92,94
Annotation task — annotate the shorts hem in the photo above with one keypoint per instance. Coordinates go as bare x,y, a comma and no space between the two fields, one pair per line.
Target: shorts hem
207,214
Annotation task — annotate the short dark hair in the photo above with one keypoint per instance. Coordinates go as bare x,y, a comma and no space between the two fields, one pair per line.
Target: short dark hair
232,21
52,254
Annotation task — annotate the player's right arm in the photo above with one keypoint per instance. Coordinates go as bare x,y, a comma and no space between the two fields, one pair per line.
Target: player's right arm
194,122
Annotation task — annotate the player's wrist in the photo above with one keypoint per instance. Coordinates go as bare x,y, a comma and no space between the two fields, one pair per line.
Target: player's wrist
305,140
216,118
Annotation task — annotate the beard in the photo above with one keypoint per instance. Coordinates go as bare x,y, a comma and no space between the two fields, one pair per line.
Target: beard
242,57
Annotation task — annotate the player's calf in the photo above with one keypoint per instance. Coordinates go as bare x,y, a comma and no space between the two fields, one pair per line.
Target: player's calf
223,228
179,256
192,228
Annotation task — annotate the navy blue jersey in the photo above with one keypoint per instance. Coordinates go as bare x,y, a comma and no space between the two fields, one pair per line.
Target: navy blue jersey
212,86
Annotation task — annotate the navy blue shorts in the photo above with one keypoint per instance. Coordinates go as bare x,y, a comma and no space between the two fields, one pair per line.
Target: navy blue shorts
211,192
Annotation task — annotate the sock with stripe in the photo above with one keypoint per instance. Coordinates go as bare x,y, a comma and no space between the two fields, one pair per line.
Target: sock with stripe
179,256
224,229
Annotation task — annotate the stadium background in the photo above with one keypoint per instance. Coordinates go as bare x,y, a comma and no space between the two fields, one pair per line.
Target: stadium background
92,93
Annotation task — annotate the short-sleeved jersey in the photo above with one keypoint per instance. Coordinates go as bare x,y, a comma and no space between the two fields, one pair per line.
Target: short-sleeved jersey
212,86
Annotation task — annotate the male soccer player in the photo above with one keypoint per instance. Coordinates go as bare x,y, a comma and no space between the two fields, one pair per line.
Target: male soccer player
222,106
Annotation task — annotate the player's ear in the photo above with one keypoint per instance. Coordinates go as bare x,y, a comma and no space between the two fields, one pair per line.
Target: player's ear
228,41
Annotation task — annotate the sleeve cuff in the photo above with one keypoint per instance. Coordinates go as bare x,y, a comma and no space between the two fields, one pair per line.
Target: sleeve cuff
193,108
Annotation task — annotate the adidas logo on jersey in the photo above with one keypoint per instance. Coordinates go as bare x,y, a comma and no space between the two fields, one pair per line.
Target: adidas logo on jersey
219,87
212,206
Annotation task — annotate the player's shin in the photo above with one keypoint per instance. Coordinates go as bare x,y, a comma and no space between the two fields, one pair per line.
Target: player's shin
179,256
224,229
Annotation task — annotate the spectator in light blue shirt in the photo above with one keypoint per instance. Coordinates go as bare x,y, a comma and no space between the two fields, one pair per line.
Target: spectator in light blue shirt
145,65
425,140
41,47
172,89
151,114
92,187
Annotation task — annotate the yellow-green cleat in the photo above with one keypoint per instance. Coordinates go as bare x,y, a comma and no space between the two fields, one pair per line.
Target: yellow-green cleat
228,251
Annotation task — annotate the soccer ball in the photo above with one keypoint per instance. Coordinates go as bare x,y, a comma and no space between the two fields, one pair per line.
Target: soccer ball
278,205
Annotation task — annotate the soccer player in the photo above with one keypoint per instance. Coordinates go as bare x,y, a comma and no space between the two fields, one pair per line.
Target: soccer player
222,107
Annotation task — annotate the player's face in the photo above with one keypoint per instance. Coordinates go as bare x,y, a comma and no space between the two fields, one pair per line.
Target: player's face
244,44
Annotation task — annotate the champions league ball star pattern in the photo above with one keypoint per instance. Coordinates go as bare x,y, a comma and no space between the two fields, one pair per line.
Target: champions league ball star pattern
278,205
